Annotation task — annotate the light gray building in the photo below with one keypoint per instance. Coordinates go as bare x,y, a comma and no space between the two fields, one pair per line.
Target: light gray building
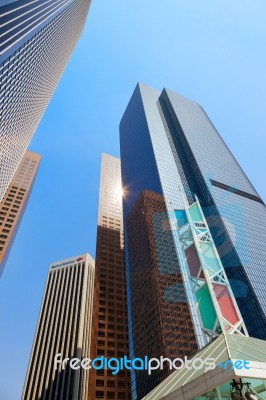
64,327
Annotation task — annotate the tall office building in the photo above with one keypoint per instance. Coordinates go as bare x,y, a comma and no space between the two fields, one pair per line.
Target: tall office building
37,39
170,152
15,201
109,332
64,327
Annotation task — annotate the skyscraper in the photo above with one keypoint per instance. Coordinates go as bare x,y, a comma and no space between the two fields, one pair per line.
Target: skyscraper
109,332
64,327
37,39
15,201
170,152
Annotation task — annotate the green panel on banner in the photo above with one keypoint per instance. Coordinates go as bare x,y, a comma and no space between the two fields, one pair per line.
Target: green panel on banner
209,256
206,308
181,217
195,213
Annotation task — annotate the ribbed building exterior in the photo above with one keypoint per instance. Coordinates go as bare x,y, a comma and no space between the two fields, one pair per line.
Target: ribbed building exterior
170,152
64,326
14,202
37,39
109,332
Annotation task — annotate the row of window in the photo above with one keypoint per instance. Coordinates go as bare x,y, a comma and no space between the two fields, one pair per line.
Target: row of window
118,285
111,395
111,353
111,311
111,344
120,384
108,372
111,268
112,277
111,335
112,304
111,297
112,328
110,290
111,319
119,320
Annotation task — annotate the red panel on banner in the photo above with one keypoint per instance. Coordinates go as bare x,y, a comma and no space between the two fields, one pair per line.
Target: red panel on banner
225,303
192,260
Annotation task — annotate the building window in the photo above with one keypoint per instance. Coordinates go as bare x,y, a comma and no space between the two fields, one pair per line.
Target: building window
100,372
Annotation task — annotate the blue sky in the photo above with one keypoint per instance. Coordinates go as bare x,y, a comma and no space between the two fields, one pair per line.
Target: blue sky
210,51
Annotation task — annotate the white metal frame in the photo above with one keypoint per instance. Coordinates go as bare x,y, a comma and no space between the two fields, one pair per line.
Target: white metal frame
197,232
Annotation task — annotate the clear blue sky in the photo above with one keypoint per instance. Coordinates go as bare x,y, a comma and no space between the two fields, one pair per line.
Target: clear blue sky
210,51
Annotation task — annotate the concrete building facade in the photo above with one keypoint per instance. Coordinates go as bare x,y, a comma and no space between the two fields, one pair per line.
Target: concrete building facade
14,202
64,327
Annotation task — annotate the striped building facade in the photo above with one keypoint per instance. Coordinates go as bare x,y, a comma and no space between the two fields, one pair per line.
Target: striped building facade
64,327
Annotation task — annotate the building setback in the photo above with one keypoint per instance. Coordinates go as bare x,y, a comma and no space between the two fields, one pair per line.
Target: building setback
170,152
14,202
64,326
109,332
37,39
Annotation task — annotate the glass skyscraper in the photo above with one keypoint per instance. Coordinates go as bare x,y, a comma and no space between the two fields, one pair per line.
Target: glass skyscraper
37,39
170,152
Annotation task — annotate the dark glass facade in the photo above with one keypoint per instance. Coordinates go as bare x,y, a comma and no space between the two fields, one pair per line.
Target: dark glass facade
156,281
168,147
233,209
161,317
